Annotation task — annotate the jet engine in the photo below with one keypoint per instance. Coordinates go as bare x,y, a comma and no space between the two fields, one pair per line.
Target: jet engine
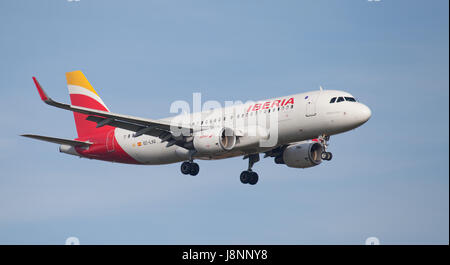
215,141
301,155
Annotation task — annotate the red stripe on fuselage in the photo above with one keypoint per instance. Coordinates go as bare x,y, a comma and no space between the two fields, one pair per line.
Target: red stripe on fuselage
105,147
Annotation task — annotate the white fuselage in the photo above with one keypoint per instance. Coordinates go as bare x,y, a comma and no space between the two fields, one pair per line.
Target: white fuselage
307,116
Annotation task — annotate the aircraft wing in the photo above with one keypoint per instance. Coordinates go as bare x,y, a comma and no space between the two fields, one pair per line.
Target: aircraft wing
161,129
57,140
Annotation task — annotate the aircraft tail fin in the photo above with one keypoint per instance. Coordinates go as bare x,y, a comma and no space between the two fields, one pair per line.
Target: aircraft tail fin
82,94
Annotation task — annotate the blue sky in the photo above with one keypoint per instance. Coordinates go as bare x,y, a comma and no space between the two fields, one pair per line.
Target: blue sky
388,178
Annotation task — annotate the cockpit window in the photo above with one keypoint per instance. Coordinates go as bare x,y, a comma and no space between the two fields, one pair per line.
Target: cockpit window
333,100
340,99
350,99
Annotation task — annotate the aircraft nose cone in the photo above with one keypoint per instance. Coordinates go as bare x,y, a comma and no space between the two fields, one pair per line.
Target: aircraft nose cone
364,114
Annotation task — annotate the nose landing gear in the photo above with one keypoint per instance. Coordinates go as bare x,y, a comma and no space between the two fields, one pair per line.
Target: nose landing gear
324,141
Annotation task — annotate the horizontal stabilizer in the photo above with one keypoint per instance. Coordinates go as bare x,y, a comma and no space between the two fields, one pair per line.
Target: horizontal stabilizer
57,140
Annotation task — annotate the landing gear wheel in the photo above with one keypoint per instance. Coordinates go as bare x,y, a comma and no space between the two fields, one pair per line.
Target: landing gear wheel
248,176
326,156
194,169
253,178
244,177
186,168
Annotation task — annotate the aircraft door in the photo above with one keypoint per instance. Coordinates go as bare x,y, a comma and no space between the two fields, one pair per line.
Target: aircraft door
110,141
311,106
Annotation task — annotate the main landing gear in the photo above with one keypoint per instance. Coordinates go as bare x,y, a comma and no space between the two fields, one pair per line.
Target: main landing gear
324,141
249,176
190,168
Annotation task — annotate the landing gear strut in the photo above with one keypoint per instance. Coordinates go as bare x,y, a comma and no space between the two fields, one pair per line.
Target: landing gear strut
324,141
249,176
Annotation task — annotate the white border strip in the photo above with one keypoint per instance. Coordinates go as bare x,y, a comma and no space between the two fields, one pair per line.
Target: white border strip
73,89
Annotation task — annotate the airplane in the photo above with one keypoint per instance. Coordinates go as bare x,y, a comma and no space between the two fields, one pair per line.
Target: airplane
294,130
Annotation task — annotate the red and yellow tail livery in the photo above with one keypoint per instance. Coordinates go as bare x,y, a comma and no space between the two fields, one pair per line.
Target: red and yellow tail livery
82,94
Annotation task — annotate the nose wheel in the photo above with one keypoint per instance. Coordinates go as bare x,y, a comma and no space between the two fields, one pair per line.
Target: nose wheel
327,156
190,168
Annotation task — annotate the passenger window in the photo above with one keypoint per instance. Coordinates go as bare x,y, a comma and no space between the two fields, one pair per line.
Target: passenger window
350,99
340,99
333,100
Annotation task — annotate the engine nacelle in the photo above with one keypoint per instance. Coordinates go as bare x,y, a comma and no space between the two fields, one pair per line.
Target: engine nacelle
215,141
301,155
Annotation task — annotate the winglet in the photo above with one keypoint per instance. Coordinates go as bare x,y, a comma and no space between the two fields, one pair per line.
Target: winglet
41,91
